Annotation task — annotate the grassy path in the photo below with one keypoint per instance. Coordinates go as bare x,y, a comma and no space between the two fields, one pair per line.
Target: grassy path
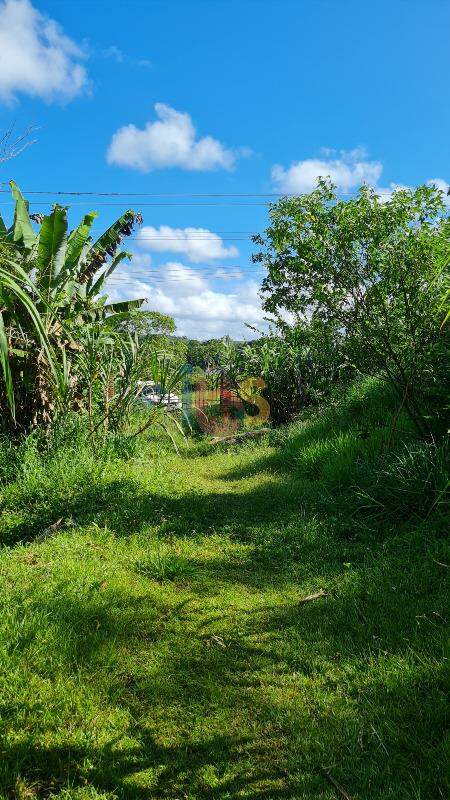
158,646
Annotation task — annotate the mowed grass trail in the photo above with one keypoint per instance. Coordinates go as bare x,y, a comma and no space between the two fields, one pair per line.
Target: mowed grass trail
154,643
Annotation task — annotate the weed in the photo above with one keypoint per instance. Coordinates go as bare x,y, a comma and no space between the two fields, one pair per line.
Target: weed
163,565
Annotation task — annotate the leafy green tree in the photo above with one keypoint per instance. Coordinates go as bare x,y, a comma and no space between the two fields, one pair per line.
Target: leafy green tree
371,269
155,333
149,324
206,354
197,377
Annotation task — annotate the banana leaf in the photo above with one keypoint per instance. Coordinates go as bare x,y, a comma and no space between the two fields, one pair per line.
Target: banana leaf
77,241
9,283
22,232
112,320
125,306
6,370
107,244
51,248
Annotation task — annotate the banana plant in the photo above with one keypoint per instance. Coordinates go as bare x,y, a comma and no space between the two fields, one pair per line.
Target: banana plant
12,291
51,288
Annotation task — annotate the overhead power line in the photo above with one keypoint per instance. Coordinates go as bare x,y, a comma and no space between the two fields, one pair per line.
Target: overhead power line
60,193
92,193
156,194
212,232
160,281
222,274
155,275
218,272
141,205
174,266
173,271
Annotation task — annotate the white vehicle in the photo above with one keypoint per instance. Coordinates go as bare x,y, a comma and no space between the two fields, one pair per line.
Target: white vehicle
149,393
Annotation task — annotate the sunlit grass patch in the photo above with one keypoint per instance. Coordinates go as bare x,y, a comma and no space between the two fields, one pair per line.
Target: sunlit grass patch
157,643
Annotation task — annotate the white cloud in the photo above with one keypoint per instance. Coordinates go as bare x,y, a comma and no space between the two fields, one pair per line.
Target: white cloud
197,244
199,310
347,171
170,141
141,260
114,53
36,57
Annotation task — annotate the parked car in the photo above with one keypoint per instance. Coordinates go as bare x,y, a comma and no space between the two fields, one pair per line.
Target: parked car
150,393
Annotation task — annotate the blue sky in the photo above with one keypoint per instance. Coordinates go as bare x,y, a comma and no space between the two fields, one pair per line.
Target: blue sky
219,97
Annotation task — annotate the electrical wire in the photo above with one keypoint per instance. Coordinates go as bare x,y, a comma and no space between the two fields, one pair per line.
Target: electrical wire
142,205
60,193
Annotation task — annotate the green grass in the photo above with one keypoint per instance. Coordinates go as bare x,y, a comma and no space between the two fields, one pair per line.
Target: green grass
154,643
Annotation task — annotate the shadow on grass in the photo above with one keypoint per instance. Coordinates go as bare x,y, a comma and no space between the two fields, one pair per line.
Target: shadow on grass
314,467
332,681
329,682
124,506
164,772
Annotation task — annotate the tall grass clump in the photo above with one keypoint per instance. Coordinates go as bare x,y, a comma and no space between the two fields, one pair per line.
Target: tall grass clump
39,478
410,482
49,477
363,456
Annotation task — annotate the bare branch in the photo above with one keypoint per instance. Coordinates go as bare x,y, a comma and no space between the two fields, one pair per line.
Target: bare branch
11,147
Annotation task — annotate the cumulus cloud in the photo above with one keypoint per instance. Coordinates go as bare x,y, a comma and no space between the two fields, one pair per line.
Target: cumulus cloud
347,170
36,57
170,141
199,310
197,244
141,260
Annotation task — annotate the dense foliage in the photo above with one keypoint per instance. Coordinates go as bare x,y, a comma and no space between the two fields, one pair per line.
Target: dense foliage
299,364
376,271
364,284
63,346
